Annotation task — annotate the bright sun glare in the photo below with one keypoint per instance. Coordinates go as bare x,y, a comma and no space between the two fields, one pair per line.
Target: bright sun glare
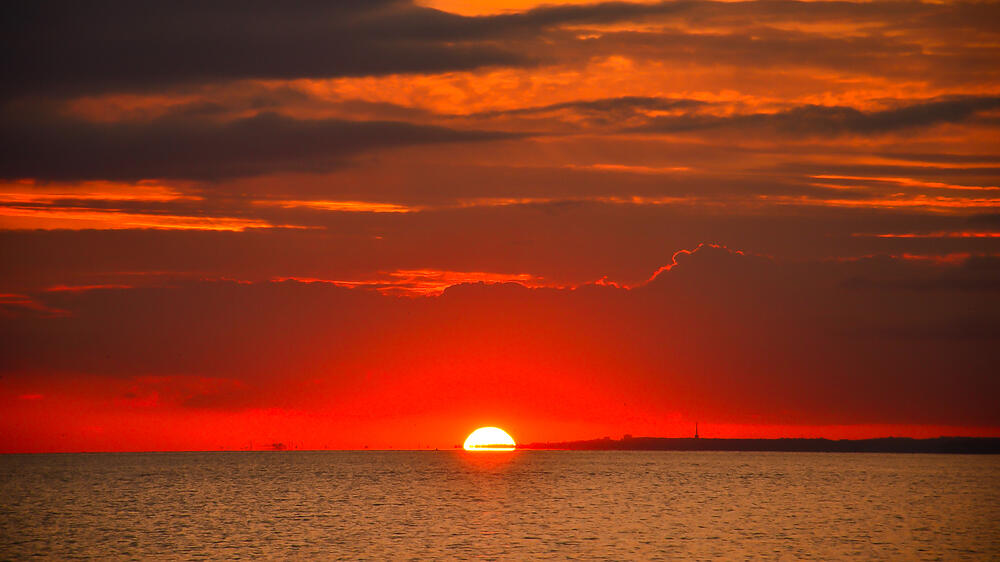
489,439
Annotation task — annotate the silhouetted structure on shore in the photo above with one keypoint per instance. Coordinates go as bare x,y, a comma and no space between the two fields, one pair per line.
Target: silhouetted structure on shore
946,445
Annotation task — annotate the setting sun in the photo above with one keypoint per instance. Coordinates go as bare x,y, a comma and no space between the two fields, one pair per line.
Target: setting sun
489,439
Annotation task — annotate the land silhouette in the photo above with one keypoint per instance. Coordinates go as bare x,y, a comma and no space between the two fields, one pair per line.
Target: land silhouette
942,445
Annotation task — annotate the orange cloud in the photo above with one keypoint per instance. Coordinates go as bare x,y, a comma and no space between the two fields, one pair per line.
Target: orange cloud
424,282
51,218
898,201
932,235
79,288
902,181
30,191
12,304
341,206
29,204
482,8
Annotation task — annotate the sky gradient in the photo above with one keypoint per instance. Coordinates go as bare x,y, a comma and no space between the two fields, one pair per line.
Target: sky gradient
384,223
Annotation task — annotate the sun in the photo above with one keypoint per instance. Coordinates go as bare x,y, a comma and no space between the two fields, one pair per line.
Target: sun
489,439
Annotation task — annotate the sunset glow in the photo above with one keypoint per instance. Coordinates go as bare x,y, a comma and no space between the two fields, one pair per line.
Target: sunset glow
350,225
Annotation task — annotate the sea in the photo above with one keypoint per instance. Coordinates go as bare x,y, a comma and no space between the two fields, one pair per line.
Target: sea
399,505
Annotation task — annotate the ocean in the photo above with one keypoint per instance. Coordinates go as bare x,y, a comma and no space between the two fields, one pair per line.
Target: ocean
521,505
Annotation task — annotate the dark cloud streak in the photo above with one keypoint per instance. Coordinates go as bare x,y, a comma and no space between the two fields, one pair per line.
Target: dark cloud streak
61,48
65,48
816,120
54,148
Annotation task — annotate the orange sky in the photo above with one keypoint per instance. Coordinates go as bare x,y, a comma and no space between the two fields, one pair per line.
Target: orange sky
386,223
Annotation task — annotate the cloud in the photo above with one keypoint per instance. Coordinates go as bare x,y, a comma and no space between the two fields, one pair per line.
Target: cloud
605,111
681,115
567,244
815,120
57,47
976,275
13,305
53,148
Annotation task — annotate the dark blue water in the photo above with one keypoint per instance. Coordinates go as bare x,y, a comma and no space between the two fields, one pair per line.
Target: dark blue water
378,505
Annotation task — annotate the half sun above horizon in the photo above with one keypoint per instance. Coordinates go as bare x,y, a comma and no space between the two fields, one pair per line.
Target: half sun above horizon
489,439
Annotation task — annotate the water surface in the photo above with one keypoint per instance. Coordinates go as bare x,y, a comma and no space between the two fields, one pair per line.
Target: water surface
527,504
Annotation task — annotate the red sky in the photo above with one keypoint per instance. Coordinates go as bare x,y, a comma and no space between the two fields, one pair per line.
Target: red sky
383,223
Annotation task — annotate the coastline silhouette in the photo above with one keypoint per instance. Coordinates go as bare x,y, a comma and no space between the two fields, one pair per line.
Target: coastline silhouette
940,445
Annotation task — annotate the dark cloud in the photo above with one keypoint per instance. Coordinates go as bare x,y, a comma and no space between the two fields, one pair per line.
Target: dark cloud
762,48
815,120
181,146
59,47
990,220
65,47
190,143
604,111
977,274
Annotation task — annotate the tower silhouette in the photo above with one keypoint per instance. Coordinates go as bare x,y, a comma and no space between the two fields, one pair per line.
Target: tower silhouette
696,430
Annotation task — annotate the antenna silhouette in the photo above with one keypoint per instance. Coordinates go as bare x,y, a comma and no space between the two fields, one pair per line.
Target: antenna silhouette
696,430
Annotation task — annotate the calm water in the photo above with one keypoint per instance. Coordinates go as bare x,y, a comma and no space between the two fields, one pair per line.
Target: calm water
632,505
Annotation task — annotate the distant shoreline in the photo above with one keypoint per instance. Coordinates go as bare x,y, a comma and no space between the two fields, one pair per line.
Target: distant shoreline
936,445
943,445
